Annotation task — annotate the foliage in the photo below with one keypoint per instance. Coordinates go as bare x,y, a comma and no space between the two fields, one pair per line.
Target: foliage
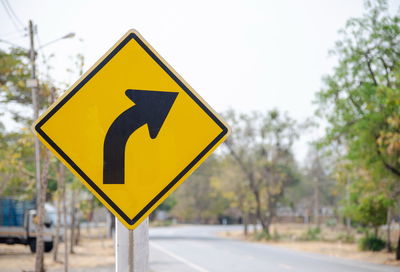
163,223
198,199
16,165
167,204
370,210
261,147
312,234
371,243
361,102
368,197
234,187
361,97
316,188
14,71
346,238
262,235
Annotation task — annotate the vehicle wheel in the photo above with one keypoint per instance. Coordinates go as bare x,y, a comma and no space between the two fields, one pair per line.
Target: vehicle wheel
32,245
48,246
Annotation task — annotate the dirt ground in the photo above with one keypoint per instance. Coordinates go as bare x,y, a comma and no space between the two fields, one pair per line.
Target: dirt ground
331,247
93,251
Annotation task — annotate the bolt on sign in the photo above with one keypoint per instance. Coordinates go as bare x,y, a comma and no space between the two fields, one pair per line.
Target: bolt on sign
131,129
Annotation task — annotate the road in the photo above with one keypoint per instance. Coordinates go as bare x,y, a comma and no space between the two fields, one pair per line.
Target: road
199,249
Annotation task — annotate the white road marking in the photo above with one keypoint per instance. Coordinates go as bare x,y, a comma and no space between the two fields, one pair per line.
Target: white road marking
188,263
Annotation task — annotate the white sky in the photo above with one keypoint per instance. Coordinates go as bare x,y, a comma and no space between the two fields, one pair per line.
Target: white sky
246,55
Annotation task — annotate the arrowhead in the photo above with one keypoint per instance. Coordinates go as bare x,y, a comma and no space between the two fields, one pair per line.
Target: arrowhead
152,107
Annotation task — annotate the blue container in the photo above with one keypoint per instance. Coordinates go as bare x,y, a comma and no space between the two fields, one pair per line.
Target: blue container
12,211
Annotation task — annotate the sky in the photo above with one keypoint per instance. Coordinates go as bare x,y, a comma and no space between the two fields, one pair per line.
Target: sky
246,55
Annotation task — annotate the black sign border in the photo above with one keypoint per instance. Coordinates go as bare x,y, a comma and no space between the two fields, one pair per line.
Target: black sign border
38,128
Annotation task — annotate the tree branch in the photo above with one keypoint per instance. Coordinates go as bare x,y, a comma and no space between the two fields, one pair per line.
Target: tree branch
360,111
386,72
371,72
240,162
388,166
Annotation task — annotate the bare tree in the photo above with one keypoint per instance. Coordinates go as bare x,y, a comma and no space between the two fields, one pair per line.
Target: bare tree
261,146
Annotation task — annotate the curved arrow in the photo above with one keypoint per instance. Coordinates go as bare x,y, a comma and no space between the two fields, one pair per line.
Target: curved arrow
151,108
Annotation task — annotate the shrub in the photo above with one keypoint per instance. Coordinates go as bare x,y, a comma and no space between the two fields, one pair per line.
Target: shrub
331,223
346,238
372,243
262,235
312,234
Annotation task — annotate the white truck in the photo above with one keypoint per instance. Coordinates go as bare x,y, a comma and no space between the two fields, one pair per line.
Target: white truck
18,224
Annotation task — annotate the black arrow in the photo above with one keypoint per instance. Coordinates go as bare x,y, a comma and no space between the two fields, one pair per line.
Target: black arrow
151,108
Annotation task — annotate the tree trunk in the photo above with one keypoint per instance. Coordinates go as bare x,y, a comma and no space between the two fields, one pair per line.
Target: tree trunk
316,203
255,226
64,207
78,233
110,224
91,209
58,223
264,220
72,226
245,224
348,220
40,213
398,249
388,230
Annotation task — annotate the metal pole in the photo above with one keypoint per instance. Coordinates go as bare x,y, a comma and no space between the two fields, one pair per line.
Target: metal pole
132,247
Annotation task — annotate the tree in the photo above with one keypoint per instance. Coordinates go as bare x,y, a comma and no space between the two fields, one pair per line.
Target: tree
368,201
361,98
16,155
235,188
198,200
316,187
261,146
16,166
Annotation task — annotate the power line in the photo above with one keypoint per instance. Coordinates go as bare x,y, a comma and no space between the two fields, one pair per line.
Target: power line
10,43
13,13
40,49
11,34
13,20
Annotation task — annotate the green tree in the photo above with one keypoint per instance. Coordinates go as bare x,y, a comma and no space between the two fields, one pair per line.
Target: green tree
361,97
16,164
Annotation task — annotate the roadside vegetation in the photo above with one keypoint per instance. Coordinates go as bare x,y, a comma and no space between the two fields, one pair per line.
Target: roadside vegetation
349,182
346,190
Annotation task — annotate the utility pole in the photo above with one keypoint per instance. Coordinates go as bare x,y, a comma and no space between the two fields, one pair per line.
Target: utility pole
34,84
39,264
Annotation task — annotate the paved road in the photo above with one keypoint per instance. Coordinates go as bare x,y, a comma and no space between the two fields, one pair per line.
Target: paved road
198,249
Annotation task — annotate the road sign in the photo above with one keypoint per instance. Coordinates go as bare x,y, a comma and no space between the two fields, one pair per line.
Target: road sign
131,129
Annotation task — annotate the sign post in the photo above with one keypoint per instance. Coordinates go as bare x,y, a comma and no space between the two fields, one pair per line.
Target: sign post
132,247
132,130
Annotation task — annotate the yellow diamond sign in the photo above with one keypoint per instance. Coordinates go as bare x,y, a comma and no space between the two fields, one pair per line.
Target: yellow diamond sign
131,129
